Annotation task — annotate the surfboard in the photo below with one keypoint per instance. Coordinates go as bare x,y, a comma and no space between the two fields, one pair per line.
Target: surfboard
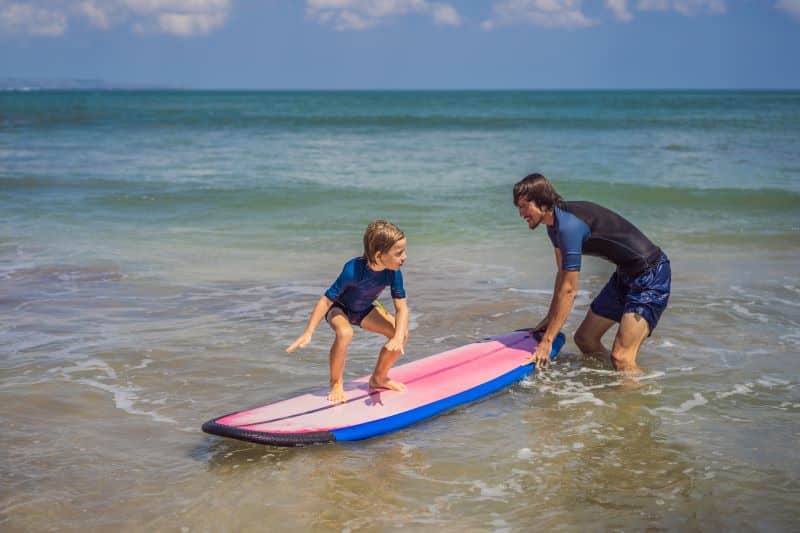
435,384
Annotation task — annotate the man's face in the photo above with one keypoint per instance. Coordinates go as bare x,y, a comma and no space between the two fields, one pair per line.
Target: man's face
530,212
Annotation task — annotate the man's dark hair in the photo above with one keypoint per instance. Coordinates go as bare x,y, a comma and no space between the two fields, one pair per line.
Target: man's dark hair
537,188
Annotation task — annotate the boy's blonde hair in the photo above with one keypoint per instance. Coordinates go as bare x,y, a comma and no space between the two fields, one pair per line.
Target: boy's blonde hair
380,236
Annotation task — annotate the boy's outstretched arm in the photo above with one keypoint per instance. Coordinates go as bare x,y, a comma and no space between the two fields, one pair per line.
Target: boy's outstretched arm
322,307
398,341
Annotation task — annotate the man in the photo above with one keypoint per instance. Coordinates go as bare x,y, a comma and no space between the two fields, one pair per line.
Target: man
637,292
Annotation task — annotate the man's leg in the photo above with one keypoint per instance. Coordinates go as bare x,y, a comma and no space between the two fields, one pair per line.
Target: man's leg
633,330
590,334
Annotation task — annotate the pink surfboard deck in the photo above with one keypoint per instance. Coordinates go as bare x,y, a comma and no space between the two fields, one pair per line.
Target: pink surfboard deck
435,384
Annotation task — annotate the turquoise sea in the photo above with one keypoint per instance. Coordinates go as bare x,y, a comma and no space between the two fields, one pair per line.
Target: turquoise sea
159,250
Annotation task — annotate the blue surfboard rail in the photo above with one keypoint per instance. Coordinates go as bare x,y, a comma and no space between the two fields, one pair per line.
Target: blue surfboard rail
393,423
386,425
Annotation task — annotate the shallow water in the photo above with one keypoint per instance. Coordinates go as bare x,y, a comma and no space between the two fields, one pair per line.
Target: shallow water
155,260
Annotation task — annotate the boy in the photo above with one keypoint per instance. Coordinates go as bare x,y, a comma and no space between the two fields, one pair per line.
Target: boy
350,301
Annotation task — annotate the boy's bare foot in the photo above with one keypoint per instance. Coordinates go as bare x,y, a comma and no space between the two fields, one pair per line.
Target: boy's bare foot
375,383
337,394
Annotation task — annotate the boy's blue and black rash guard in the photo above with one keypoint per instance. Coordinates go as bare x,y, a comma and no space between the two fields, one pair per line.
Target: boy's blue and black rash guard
358,285
587,228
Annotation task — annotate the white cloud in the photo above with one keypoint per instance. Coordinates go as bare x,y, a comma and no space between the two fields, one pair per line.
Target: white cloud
187,24
446,15
792,7
30,19
620,9
184,18
569,13
685,7
545,13
198,7
96,16
362,14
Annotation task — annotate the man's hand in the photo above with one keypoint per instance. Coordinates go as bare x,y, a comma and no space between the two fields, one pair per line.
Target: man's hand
301,342
542,354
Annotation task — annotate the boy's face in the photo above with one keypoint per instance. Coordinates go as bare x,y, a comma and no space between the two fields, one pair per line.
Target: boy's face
395,257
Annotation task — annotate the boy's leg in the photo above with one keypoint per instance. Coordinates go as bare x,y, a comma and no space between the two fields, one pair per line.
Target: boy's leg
338,355
633,330
379,321
590,334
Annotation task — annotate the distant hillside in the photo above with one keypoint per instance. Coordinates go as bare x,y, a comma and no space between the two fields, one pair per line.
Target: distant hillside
35,84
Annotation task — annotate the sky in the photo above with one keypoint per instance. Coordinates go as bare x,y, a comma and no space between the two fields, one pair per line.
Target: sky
406,44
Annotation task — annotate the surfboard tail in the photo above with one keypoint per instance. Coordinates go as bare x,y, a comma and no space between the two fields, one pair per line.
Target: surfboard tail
275,439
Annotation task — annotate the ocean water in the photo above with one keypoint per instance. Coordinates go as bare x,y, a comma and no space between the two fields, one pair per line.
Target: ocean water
159,250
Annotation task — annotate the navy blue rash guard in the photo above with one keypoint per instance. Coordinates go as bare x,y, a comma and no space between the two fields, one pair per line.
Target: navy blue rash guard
587,228
358,285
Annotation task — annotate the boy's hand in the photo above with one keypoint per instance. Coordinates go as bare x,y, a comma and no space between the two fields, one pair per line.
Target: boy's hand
395,345
301,342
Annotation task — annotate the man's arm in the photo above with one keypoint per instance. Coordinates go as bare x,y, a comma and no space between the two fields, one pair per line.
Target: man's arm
564,292
542,325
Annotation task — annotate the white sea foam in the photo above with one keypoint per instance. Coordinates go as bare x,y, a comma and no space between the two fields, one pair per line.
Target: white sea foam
500,526
680,368
793,337
580,298
407,450
497,492
792,288
589,427
743,389
735,419
598,371
546,451
525,454
653,375
144,364
543,292
696,401
584,397
791,303
86,365
124,398
749,314
771,382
